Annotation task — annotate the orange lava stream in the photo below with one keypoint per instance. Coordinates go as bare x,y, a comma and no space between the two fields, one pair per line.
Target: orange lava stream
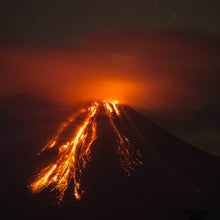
53,141
130,157
71,160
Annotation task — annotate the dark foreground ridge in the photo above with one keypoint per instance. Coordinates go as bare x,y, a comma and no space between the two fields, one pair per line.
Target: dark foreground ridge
175,181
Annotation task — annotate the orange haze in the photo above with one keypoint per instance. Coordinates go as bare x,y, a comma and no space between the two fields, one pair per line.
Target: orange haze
161,71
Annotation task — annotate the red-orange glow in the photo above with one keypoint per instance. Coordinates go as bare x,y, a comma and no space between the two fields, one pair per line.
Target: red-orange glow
139,69
75,153
70,162
123,90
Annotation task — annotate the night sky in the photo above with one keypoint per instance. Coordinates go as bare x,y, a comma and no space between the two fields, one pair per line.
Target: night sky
161,57
56,21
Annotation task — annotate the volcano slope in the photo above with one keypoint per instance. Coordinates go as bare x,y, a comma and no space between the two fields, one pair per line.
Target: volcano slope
134,169
174,177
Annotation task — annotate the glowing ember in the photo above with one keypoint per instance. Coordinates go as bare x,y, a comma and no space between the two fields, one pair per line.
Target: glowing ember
75,153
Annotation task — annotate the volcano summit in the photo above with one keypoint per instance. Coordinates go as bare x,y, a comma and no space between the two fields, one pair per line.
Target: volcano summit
113,158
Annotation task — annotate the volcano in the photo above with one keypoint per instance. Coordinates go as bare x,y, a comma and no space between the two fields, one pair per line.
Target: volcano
118,164
142,173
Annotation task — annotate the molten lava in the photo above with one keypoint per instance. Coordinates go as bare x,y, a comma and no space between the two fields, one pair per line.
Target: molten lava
75,153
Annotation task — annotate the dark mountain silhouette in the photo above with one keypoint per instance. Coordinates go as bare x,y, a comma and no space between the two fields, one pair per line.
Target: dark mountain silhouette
174,177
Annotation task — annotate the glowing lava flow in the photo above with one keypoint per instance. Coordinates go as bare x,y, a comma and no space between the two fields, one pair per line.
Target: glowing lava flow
74,154
53,141
71,160
130,157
